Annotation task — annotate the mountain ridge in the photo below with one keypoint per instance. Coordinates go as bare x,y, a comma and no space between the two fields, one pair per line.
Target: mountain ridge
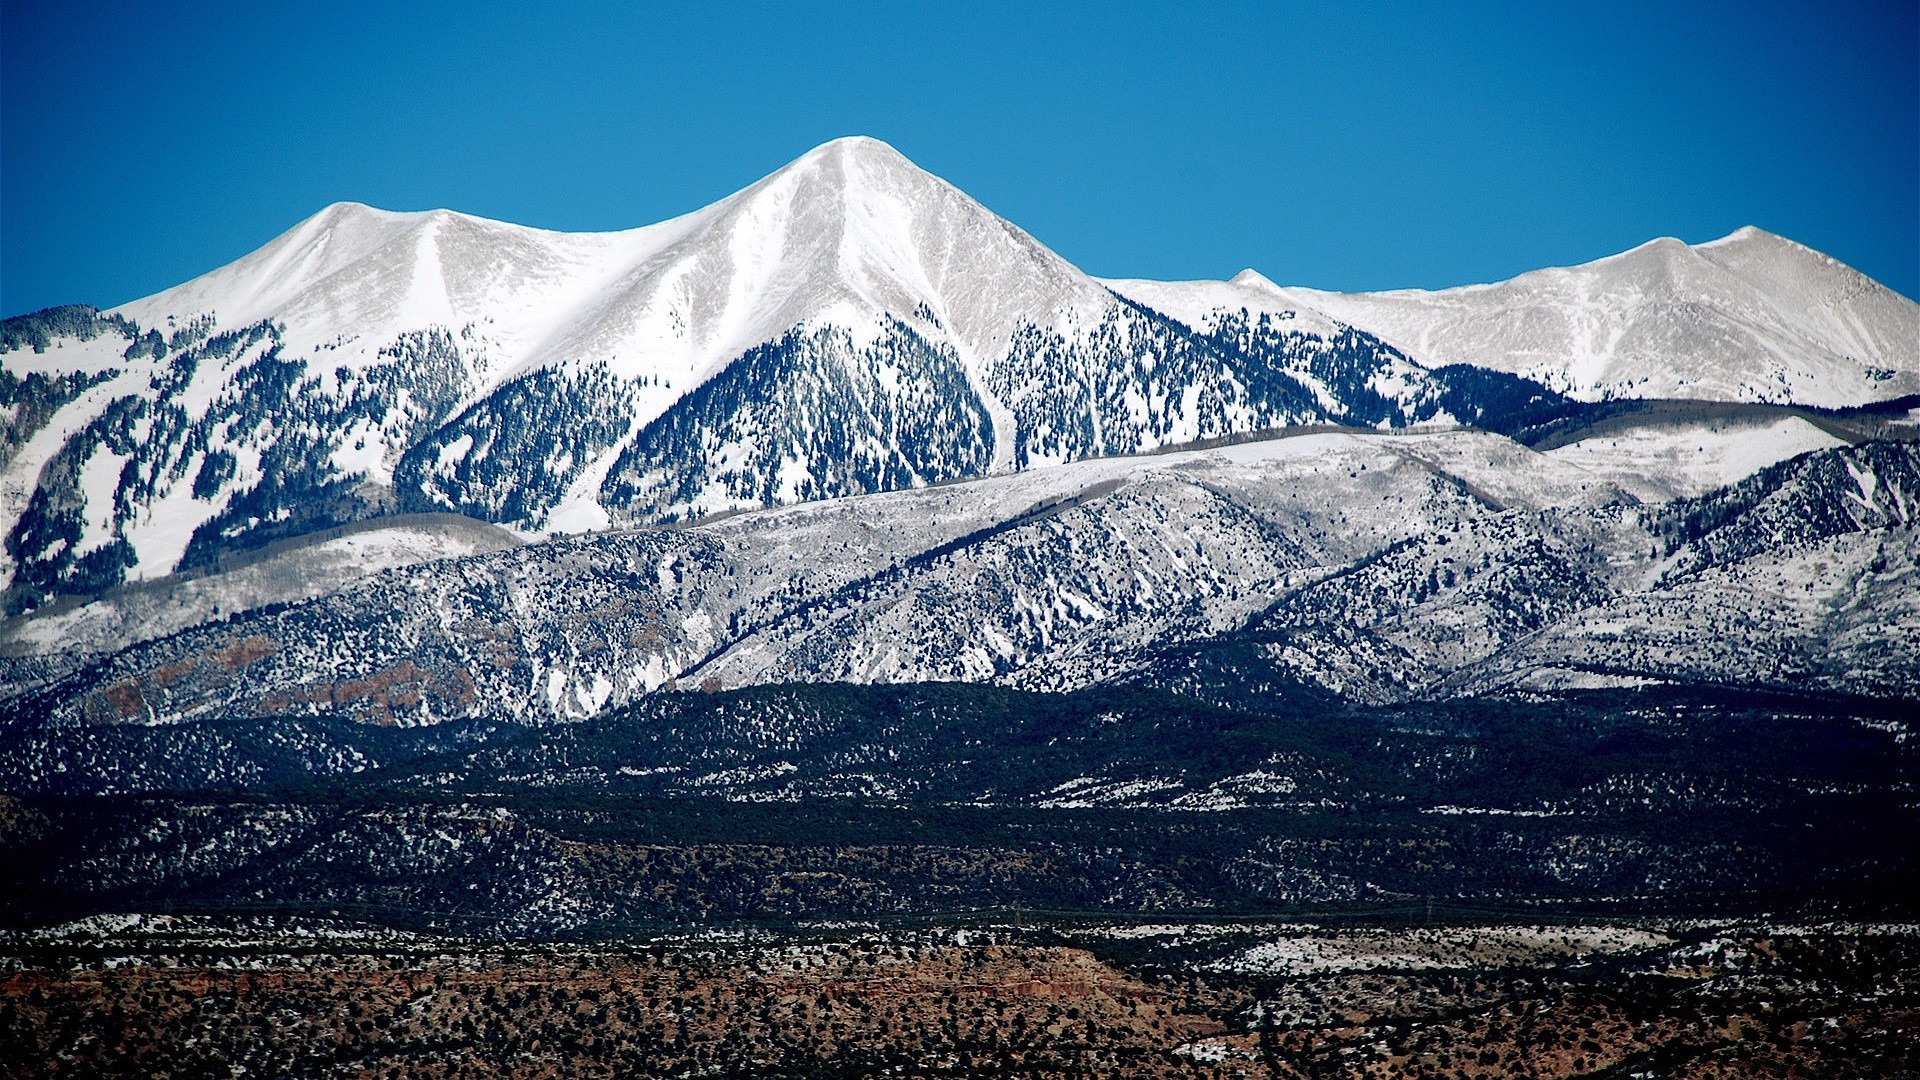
1750,316
1376,568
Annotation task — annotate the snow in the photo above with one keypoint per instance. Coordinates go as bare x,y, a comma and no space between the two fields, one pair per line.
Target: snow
848,234
1370,950
99,478
1558,680
378,274
1201,304
163,606
846,222
362,452
1490,811
1751,621
1866,481
1658,463
1749,317
579,514
21,475
1089,791
66,356
1208,1051
454,451
1072,575
1150,551
163,529
852,235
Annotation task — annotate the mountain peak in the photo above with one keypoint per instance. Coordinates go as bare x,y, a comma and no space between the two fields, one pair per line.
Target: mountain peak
1751,316
1743,234
853,160
865,146
1750,243
1251,278
853,227
849,231
1660,248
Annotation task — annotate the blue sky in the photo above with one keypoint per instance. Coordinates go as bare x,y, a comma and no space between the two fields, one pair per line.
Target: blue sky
1346,146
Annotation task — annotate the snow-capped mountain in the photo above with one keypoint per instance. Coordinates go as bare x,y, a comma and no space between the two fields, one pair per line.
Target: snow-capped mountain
849,324
433,525
1749,317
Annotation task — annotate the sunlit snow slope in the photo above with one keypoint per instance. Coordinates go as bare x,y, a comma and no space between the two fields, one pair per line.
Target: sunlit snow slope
1749,317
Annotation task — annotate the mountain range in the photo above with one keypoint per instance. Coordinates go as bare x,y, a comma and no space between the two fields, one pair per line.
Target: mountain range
847,325
463,576
848,425
1748,317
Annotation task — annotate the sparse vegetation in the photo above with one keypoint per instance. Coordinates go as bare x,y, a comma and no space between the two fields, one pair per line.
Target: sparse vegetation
174,997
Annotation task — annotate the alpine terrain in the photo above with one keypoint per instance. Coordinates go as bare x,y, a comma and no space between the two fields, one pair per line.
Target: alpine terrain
833,591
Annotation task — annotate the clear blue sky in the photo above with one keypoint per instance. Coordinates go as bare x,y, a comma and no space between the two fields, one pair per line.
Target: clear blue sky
1347,146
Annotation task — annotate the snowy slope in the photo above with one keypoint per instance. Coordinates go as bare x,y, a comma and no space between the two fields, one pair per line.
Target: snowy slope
1749,317
308,567
366,361
1658,462
1203,305
1376,567
352,278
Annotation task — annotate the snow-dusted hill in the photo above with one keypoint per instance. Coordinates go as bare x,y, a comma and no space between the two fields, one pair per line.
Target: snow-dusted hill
283,573
1376,567
1749,317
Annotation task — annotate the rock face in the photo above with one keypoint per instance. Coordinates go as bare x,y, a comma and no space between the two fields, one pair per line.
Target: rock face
847,325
